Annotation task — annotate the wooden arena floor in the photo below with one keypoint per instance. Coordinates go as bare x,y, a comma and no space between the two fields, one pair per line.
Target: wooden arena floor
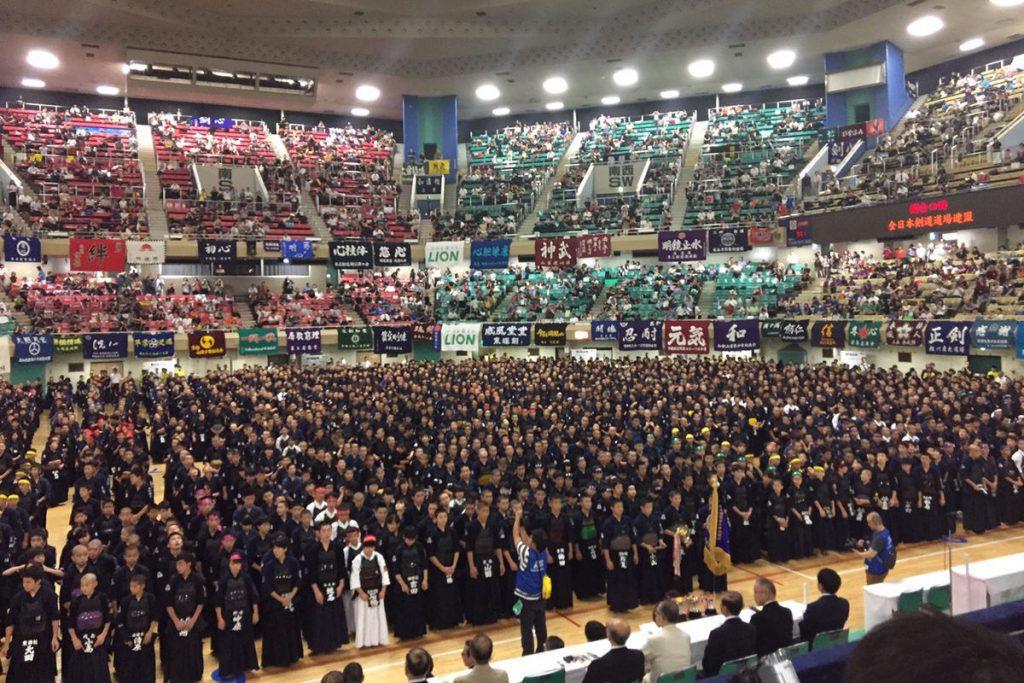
385,664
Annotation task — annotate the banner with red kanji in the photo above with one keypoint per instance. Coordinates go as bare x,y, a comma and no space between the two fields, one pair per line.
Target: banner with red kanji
554,252
687,336
98,255
593,246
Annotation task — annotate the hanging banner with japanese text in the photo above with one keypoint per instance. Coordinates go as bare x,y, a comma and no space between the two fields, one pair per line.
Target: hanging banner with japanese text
351,255
296,250
153,344
392,340
863,334
549,334
904,333
593,246
687,336
146,252
97,255
302,340
551,252
67,343
728,240
218,251
640,335
355,338
948,338
505,334
828,334
688,245
32,348
257,341
994,334
108,346
206,344
391,254
771,327
22,249
737,335
489,254
794,330
604,330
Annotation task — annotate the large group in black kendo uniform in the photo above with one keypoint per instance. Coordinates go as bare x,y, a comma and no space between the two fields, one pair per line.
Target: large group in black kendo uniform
275,475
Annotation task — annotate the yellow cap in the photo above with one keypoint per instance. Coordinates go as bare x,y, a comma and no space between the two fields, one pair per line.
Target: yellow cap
725,443
705,430
24,481
689,436
14,497
752,421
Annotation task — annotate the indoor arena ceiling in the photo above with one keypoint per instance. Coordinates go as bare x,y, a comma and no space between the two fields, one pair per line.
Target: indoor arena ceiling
434,47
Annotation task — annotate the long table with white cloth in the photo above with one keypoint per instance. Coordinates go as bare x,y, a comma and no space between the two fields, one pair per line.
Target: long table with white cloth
575,658
1003,578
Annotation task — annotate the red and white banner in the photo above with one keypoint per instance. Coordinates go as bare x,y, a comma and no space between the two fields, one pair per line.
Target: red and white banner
97,255
760,235
593,246
554,252
146,251
687,336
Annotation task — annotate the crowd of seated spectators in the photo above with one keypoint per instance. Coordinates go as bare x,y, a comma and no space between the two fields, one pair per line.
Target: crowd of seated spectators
565,187
520,145
472,225
245,143
82,166
651,292
619,138
564,295
470,296
61,302
386,297
592,217
960,118
291,307
744,289
749,156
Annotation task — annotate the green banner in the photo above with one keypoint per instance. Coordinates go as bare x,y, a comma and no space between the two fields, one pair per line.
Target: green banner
355,338
257,341
863,334
8,327
67,343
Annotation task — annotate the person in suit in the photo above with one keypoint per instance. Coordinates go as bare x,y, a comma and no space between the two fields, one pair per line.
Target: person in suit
477,656
419,665
734,639
827,613
620,664
774,623
668,650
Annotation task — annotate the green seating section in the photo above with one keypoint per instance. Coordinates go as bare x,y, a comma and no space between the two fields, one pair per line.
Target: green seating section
640,138
552,296
481,300
639,294
755,286
520,147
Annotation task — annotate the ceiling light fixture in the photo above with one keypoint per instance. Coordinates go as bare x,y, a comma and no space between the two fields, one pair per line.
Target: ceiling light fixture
781,59
553,106
360,111
41,59
1006,3
108,90
668,94
971,44
798,80
610,100
556,85
501,111
702,68
732,87
925,26
488,92
367,93
625,77
33,83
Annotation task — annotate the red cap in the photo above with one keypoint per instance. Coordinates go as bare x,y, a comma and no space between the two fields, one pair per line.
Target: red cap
370,539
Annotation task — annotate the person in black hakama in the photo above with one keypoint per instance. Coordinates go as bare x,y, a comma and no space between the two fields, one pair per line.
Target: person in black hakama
443,608
824,510
137,620
739,499
238,610
931,525
1008,498
588,569
408,564
620,558
89,634
560,550
679,563
647,532
907,500
777,524
282,642
326,628
975,492
801,526
485,569
185,598
32,631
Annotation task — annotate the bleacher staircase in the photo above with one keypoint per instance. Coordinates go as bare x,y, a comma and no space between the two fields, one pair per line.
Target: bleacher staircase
156,217
544,196
306,202
697,134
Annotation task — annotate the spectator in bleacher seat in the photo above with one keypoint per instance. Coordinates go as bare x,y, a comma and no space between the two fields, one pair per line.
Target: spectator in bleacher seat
668,649
734,639
827,613
620,664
